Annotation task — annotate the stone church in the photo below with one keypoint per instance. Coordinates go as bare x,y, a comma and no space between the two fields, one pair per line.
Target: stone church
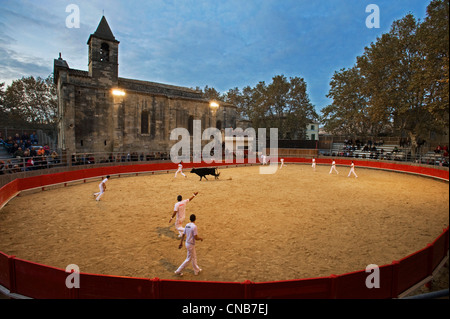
100,112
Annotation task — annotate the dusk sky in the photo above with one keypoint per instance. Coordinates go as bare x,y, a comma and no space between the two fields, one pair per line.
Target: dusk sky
193,43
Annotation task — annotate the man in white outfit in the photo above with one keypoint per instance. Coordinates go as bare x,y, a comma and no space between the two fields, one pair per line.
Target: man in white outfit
180,170
179,210
264,159
102,187
333,167
191,234
282,163
352,170
314,164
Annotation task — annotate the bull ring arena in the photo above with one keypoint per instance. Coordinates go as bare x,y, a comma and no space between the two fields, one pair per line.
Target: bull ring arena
298,233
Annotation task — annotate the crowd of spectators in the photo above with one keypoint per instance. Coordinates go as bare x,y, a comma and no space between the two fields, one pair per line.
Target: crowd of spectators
86,159
364,149
442,150
442,155
25,154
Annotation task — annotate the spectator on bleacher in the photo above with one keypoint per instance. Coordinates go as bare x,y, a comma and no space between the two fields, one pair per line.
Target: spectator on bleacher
55,157
8,167
8,144
29,165
27,143
437,150
17,138
25,136
15,168
34,138
26,152
18,152
46,149
40,151
40,162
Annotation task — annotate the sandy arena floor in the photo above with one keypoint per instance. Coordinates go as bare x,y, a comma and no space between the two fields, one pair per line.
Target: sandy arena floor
294,224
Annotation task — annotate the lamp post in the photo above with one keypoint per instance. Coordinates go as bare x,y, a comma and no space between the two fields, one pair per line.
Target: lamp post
118,92
214,106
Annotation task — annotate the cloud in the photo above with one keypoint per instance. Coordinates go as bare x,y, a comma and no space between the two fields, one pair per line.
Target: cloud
222,44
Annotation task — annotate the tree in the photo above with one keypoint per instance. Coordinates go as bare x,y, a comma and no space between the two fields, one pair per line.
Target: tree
31,100
393,68
350,113
3,114
283,104
400,81
433,35
212,94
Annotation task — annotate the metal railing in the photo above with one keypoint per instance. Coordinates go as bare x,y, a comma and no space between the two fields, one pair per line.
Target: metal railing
402,154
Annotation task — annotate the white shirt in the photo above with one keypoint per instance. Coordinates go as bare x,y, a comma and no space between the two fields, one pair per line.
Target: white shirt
334,163
180,208
103,182
190,231
180,167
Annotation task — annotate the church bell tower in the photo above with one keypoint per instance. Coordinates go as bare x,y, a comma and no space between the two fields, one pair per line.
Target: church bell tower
104,55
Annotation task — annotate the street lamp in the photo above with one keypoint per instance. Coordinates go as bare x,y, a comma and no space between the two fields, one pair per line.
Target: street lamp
214,106
118,92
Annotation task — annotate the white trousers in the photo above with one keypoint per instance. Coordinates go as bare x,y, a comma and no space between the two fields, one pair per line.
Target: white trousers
333,167
99,194
179,171
352,171
191,257
179,226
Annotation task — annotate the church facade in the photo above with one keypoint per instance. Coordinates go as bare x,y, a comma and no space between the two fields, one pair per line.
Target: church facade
100,112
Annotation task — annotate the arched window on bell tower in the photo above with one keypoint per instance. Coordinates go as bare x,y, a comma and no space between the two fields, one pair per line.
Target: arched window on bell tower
104,52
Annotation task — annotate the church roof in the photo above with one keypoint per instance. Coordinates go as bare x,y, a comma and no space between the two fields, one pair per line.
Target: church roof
103,31
159,89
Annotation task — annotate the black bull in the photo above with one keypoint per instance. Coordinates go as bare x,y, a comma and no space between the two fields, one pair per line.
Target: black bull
202,172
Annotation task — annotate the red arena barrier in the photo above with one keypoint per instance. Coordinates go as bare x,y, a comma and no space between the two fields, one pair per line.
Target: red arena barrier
33,280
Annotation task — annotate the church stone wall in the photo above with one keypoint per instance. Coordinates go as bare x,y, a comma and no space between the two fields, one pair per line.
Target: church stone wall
93,120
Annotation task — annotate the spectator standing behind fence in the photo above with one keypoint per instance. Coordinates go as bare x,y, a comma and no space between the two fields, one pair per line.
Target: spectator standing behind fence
55,157
29,164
